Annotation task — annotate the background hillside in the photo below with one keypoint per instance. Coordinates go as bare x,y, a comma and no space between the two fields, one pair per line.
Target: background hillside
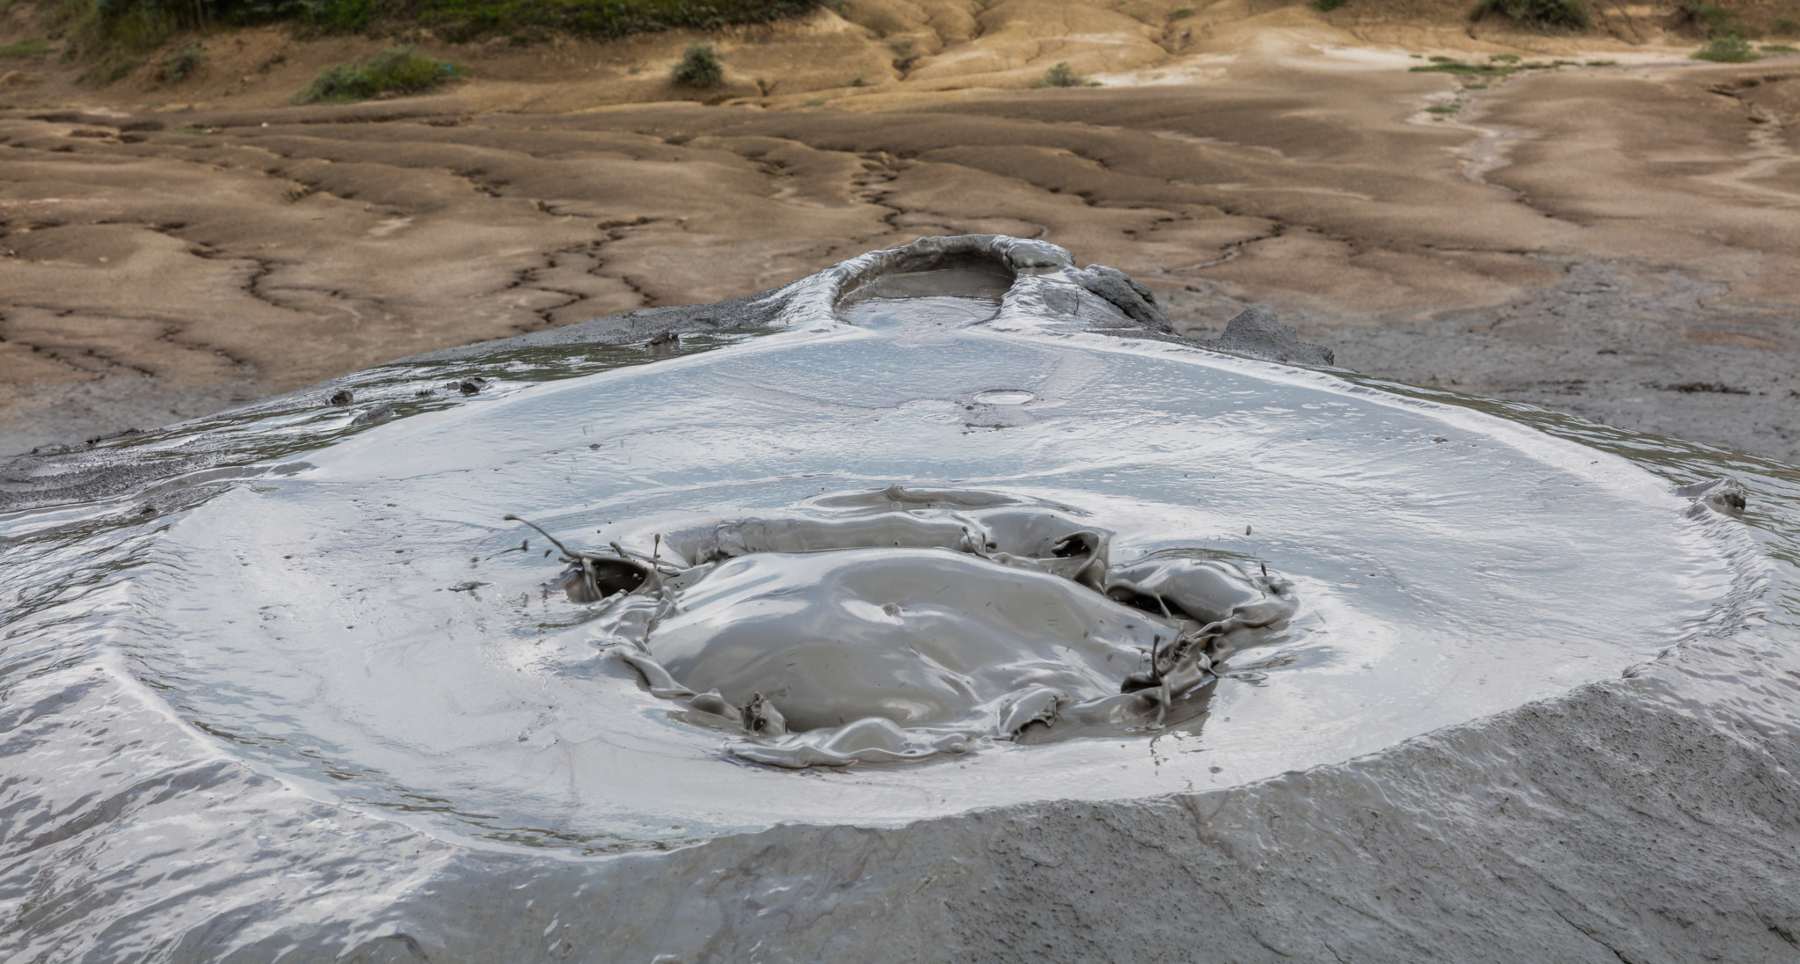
176,50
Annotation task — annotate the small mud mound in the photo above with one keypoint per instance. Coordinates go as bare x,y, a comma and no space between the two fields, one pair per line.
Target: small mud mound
900,624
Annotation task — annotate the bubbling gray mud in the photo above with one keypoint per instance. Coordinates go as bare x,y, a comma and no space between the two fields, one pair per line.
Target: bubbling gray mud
285,681
900,624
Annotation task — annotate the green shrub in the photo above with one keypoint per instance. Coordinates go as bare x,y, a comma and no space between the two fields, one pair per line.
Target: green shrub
461,20
699,68
111,37
93,24
1326,6
1181,13
24,48
181,64
103,29
111,16
1710,19
338,16
1780,49
1536,14
1062,75
398,70
1729,49
1786,27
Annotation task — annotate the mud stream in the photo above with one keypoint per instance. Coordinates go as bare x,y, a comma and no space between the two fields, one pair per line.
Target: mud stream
937,554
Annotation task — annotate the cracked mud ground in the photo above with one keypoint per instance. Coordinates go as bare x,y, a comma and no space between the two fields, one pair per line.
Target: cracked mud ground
1621,242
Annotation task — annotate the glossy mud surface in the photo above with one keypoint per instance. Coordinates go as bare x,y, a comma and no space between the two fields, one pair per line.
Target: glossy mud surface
329,619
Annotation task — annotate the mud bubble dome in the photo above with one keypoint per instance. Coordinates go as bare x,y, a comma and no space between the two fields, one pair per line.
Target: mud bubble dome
902,623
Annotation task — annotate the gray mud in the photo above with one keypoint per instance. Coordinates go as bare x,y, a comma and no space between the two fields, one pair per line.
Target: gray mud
286,681
1596,345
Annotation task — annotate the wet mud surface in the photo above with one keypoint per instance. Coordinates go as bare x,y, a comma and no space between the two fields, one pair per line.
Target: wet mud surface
1594,345
875,631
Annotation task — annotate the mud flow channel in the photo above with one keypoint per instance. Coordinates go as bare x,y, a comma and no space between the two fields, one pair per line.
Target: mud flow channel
935,553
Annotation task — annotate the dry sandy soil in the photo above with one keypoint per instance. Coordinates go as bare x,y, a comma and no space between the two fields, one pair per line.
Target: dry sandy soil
1619,240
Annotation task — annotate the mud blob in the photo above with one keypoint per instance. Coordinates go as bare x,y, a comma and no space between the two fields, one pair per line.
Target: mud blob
899,624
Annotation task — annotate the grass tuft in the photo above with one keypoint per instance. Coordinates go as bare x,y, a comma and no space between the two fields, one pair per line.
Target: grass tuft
22,49
699,68
1729,49
397,70
1062,75
1499,65
1462,69
1780,49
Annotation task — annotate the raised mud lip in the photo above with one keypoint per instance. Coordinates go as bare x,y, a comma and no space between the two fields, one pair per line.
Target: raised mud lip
1490,729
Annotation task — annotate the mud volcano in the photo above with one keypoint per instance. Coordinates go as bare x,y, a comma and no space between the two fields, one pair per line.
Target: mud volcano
936,606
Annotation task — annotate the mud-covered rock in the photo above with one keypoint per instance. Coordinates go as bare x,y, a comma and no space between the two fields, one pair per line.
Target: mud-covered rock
1255,332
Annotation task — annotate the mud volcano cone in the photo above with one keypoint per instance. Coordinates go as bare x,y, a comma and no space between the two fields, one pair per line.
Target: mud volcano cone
935,606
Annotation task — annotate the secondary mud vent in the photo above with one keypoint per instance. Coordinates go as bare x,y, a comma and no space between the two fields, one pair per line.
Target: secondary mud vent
903,623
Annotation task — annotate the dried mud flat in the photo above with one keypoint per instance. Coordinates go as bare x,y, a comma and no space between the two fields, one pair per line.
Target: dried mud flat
1616,241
